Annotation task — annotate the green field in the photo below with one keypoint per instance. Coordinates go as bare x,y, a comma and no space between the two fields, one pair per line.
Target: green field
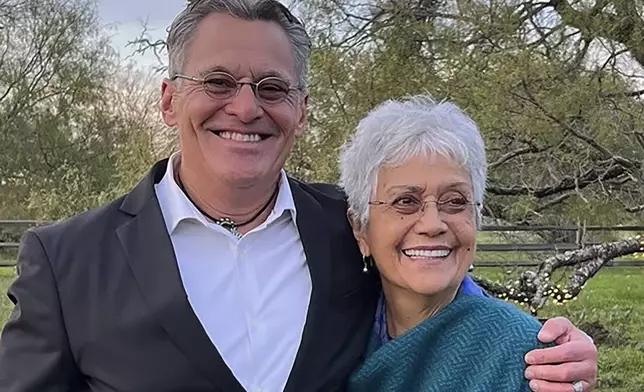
6,275
611,308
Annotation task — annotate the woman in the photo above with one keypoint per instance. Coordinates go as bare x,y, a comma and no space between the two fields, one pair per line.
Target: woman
414,173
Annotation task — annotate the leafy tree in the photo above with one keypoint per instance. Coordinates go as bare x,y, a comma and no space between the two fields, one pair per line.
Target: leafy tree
75,122
553,86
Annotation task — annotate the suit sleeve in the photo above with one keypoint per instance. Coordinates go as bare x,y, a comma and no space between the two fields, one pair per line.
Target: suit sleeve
524,341
34,350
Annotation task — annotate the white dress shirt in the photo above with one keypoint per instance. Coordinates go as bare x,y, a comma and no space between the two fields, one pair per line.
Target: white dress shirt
252,294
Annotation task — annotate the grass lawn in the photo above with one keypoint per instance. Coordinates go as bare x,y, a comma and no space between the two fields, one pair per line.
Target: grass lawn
6,275
611,308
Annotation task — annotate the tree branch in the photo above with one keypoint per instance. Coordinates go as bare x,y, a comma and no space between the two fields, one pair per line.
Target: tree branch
568,183
635,209
631,94
513,154
626,27
533,288
557,200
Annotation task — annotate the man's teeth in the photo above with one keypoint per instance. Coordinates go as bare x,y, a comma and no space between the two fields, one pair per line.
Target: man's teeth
240,137
418,253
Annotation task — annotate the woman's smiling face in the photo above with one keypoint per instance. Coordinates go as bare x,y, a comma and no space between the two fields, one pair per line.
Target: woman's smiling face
422,225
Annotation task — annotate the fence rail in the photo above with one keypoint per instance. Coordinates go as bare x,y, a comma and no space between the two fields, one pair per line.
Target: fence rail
515,263
575,240
501,228
22,222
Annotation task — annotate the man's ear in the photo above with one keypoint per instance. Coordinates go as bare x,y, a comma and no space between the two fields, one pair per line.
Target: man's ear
168,111
359,232
303,120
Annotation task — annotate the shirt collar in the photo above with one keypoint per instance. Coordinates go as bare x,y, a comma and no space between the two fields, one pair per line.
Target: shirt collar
177,207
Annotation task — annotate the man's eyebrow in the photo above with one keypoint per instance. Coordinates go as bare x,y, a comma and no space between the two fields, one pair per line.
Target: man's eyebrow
255,76
215,68
270,73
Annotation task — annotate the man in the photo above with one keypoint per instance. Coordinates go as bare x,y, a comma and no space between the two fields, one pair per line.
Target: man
217,272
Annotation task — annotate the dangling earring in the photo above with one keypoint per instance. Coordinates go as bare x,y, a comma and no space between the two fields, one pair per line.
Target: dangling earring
366,263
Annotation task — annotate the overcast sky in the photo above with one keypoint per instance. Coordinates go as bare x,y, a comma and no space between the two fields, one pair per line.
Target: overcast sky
124,20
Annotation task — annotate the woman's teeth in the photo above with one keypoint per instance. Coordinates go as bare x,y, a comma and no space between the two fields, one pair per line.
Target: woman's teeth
428,254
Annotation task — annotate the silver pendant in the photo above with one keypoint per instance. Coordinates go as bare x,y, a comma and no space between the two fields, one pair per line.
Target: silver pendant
229,225
226,223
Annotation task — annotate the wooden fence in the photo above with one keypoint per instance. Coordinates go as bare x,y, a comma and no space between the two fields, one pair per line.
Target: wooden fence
572,238
489,254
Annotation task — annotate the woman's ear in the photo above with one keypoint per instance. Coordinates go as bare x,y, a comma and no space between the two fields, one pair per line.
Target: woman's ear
359,232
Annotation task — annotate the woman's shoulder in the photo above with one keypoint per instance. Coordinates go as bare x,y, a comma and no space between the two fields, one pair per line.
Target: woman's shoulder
499,318
474,344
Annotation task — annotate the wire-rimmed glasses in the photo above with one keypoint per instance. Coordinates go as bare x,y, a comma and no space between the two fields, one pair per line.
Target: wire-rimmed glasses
413,206
221,85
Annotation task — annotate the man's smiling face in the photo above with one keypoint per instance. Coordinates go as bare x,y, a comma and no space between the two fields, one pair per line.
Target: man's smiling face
240,139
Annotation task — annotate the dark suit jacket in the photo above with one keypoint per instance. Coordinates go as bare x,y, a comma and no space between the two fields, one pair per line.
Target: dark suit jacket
99,304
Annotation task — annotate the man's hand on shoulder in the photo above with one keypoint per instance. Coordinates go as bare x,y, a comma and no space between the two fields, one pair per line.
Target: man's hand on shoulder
574,358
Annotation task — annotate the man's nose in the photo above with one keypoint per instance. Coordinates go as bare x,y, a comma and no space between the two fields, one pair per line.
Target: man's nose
244,105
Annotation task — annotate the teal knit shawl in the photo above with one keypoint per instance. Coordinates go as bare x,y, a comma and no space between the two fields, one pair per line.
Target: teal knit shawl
475,344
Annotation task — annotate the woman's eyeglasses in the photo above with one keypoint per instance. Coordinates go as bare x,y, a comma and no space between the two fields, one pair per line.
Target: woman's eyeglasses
411,205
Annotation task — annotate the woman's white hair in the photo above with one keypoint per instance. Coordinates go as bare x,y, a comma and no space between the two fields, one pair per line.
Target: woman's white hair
397,131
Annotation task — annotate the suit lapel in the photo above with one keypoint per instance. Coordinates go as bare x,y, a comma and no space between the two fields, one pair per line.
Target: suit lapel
312,226
152,260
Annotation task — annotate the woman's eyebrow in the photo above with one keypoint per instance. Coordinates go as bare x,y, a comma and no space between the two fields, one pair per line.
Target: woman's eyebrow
407,188
456,183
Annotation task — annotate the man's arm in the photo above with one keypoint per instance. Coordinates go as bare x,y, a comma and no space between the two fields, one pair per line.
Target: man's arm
34,350
574,358
554,369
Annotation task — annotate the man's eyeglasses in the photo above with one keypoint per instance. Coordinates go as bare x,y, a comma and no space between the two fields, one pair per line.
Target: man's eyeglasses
411,205
221,85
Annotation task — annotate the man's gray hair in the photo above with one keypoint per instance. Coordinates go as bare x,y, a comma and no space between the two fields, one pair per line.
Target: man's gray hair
184,26
397,131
